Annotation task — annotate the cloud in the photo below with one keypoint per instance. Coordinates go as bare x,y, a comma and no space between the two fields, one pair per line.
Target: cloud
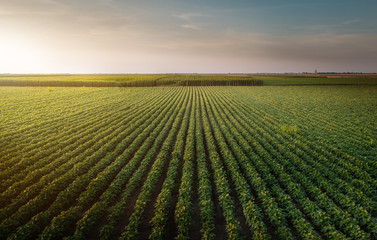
189,16
191,20
32,7
191,26
325,48
101,29
230,44
110,21
350,21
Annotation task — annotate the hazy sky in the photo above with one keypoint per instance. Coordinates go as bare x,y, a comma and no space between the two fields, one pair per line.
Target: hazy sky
158,36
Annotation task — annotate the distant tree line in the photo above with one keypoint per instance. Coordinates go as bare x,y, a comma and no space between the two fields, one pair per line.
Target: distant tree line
35,83
142,83
247,82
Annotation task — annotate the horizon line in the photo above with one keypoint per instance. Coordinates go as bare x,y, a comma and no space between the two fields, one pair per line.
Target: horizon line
193,73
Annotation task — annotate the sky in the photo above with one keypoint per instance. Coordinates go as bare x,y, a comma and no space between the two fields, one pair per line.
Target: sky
192,36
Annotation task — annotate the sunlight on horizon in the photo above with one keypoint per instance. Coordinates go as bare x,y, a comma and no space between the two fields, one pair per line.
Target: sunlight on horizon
54,36
19,55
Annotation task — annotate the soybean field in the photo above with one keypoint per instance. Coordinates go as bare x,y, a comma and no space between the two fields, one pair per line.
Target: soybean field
188,162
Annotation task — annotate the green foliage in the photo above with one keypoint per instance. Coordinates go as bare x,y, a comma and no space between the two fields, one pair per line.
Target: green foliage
371,141
129,80
289,129
238,162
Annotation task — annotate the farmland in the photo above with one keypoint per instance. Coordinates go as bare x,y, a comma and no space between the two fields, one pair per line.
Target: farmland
189,162
153,80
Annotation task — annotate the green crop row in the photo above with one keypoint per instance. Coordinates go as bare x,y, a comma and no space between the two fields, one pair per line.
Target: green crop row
188,162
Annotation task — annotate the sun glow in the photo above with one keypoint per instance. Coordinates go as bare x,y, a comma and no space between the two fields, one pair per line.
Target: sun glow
21,52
